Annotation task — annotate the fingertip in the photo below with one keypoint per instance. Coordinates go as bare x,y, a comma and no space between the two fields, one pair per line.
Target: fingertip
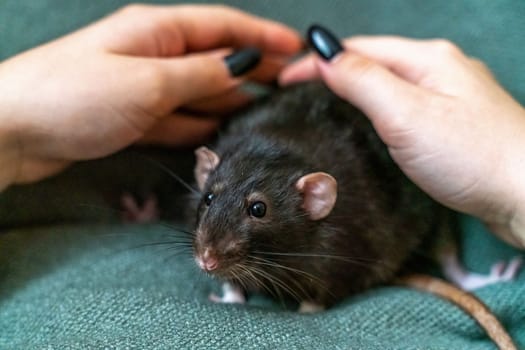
302,70
243,61
324,42
285,78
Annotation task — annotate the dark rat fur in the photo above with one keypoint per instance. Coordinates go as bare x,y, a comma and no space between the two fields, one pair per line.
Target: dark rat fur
378,222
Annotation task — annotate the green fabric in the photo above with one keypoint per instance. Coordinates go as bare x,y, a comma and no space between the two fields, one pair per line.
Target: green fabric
72,277
95,286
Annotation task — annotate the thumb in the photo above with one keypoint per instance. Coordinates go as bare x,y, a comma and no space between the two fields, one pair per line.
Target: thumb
389,101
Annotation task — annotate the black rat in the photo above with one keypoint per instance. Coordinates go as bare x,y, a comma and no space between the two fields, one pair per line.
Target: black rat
305,174
300,199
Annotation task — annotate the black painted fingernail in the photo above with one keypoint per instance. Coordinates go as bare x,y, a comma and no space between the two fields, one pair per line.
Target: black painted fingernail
325,43
242,61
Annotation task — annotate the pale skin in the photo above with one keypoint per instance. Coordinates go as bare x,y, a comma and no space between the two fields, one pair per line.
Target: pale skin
151,74
446,121
141,75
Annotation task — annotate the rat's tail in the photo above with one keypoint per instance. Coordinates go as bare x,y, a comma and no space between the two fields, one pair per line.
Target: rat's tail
467,301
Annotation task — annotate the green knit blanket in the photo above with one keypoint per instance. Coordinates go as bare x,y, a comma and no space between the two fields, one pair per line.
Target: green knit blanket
74,277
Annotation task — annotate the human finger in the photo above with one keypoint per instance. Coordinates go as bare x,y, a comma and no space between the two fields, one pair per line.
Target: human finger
182,80
268,70
173,30
302,70
411,59
388,100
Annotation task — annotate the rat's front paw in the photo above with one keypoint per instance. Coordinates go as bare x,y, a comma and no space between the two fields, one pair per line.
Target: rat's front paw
230,295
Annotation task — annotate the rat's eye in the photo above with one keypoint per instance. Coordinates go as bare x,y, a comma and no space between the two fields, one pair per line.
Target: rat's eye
208,197
257,209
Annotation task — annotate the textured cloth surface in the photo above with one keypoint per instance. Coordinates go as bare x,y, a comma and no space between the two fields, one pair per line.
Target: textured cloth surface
99,287
83,285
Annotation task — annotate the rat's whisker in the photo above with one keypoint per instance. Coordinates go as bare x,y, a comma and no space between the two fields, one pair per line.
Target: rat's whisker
300,216
100,208
164,243
259,283
173,228
364,263
237,276
279,282
326,256
274,290
116,234
172,244
262,261
171,256
171,173
312,278
246,272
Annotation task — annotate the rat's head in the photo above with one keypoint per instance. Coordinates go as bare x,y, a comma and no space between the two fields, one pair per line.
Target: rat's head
255,202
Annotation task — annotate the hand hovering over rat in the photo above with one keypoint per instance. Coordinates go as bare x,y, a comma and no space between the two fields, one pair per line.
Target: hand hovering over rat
446,121
124,79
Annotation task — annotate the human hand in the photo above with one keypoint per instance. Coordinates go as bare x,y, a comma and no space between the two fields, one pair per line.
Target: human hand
124,79
446,121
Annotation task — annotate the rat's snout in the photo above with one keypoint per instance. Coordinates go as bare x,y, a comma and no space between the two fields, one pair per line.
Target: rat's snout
207,260
216,252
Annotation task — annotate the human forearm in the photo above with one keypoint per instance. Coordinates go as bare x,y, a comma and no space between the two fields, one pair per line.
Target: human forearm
511,227
20,160
517,228
9,154
9,144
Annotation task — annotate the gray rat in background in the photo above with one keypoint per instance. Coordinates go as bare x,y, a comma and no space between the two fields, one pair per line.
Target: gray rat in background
300,199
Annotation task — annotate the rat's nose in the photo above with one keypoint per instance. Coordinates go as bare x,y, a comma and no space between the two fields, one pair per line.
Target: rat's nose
207,261
207,264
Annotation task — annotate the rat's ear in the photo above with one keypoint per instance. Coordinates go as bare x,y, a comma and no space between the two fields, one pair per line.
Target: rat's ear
319,194
207,161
